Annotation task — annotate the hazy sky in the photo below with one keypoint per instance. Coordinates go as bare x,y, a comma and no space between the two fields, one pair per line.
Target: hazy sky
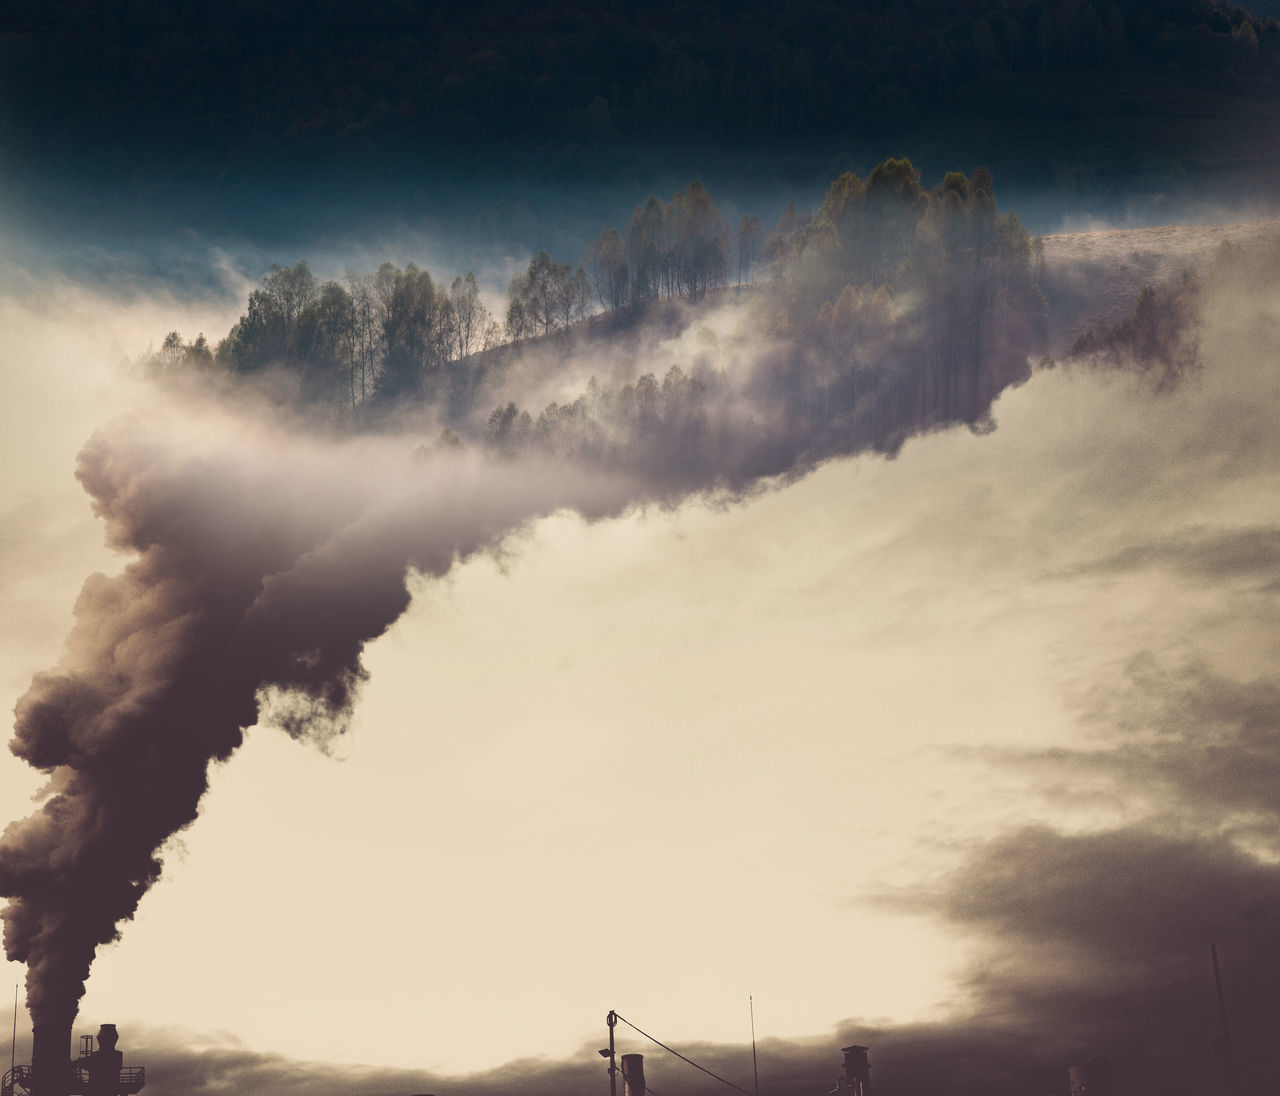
968,755
973,744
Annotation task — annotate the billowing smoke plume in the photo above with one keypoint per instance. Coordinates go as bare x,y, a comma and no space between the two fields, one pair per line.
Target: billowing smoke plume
263,563
265,560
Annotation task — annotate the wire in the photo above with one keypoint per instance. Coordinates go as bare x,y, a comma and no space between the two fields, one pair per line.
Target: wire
682,1058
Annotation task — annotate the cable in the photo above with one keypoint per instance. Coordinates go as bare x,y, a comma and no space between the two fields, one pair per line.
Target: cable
682,1058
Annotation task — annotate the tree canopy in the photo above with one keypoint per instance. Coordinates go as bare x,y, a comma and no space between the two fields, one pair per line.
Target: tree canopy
896,306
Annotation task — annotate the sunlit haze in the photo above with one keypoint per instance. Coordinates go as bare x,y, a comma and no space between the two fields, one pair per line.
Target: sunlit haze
768,525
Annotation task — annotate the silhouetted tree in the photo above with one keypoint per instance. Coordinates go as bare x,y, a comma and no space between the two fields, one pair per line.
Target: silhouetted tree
606,264
519,321
470,316
330,367
750,243
546,297
646,251
415,328
699,238
176,356
272,330
367,335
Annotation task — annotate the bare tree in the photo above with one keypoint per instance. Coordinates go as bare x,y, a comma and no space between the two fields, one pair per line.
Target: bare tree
471,318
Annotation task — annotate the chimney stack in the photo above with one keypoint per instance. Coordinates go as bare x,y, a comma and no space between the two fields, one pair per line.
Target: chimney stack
51,1059
105,1064
633,1074
857,1073
98,1072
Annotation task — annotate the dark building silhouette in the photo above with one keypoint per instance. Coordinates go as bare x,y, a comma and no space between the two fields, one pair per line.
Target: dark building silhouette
633,1074
856,1079
97,1072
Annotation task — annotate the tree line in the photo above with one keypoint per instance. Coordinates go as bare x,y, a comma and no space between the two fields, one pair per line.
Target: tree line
960,278
893,308
680,248
347,342
381,335
890,307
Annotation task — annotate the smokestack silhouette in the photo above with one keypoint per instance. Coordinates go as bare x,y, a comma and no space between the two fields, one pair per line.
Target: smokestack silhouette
633,1074
856,1079
51,1059
97,1072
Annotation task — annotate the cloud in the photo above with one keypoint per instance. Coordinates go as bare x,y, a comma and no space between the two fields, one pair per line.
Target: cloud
180,1062
1182,746
1104,937
264,558
1250,555
264,562
1157,832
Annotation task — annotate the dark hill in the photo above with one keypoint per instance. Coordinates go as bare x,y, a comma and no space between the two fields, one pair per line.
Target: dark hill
163,114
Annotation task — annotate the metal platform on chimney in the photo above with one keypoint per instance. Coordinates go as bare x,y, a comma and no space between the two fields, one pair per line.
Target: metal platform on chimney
131,1081
17,1082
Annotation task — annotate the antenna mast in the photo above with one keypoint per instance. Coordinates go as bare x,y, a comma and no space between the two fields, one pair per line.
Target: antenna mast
1222,1015
755,1069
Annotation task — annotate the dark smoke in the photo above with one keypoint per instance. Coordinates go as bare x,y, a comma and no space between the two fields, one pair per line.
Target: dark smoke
265,560
1099,943
261,570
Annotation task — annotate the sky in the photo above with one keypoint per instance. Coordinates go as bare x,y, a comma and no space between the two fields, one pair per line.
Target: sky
967,755
975,737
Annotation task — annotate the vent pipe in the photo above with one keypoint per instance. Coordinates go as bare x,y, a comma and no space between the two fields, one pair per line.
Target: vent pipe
106,1063
633,1074
856,1080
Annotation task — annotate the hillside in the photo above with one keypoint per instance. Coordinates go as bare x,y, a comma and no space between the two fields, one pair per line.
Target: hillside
1096,276
506,120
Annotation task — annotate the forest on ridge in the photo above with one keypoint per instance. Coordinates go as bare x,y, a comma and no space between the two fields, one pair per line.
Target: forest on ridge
891,307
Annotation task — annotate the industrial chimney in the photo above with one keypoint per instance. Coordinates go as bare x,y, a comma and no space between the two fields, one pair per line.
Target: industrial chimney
101,1072
52,1073
856,1080
633,1074
51,1059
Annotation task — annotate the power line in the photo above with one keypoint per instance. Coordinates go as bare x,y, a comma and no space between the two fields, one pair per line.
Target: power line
682,1058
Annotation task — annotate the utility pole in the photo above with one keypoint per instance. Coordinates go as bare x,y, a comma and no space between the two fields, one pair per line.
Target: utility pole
612,1020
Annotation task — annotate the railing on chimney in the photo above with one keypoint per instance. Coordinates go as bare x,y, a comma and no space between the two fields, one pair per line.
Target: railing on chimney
17,1081
19,1075
131,1081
